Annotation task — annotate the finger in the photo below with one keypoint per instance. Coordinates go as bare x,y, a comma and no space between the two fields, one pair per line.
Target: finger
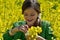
22,30
40,38
26,26
20,27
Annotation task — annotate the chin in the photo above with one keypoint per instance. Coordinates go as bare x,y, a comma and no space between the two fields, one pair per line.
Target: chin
30,24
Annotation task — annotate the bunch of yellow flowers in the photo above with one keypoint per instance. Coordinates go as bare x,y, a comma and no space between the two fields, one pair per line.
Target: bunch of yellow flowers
33,32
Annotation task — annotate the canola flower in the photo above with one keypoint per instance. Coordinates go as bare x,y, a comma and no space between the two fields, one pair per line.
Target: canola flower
10,12
33,32
56,32
56,28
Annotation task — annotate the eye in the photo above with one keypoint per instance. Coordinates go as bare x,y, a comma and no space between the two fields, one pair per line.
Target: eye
32,14
25,14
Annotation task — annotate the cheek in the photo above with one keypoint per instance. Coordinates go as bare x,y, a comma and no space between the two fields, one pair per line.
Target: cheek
25,17
34,17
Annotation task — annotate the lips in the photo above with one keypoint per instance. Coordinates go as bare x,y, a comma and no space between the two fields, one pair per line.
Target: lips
29,20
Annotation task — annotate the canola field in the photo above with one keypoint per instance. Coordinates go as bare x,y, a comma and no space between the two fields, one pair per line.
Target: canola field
10,12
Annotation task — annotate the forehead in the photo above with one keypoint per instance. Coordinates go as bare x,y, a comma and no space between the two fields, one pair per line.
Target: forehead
30,10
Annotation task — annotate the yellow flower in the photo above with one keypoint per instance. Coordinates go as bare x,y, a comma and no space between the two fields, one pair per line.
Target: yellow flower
33,32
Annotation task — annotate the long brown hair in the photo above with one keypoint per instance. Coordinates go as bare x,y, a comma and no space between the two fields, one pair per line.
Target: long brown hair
35,5
31,3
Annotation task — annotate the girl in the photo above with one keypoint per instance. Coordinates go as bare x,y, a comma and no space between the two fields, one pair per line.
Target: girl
31,11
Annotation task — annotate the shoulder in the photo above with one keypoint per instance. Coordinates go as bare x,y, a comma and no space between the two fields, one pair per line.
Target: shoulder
45,23
47,26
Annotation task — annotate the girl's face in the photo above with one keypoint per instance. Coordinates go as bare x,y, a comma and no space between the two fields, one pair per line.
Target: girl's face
30,16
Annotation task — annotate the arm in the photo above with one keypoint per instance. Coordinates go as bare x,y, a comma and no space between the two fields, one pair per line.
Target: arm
7,36
40,38
48,32
17,35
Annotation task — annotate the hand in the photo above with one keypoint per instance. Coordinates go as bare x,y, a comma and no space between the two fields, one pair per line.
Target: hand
23,28
20,28
27,37
40,38
13,31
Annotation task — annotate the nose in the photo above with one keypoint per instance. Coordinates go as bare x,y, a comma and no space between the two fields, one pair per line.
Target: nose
29,18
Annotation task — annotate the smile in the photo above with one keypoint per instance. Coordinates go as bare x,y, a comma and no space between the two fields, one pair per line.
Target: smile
30,20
